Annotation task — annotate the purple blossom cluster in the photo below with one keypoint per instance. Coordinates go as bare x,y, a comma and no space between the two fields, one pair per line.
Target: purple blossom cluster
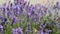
17,31
22,18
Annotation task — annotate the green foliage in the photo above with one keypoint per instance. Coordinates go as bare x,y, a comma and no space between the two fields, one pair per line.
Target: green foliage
8,30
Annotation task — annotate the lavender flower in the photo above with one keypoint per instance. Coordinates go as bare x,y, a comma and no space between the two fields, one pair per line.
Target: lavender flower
41,29
17,31
14,31
41,32
20,30
28,28
1,28
57,3
9,14
44,24
4,5
14,20
29,14
3,19
36,17
49,30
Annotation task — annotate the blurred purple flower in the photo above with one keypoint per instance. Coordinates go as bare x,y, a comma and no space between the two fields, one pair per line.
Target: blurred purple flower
16,2
4,8
42,7
49,30
4,11
0,8
3,19
44,24
9,14
24,5
30,7
14,7
36,17
28,28
58,6
37,7
17,31
28,15
2,23
20,30
11,4
1,28
27,31
43,14
57,3
7,8
21,1
4,5
16,11
14,20
41,32
14,31
32,12
41,27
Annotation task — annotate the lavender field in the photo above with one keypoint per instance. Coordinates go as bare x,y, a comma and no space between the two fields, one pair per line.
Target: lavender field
23,17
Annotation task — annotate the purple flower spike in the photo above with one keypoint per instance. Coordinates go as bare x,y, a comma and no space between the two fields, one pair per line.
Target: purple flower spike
28,15
49,30
17,31
36,17
44,23
41,27
16,2
14,31
42,7
20,30
28,26
14,20
3,19
1,28
57,3
41,32
4,5
8,14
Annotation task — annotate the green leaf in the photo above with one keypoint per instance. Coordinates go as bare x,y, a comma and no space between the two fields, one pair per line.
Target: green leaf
8,30
56,30
15,25
37,26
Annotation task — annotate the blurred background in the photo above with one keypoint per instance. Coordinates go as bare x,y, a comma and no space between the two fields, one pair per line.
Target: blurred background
33,1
